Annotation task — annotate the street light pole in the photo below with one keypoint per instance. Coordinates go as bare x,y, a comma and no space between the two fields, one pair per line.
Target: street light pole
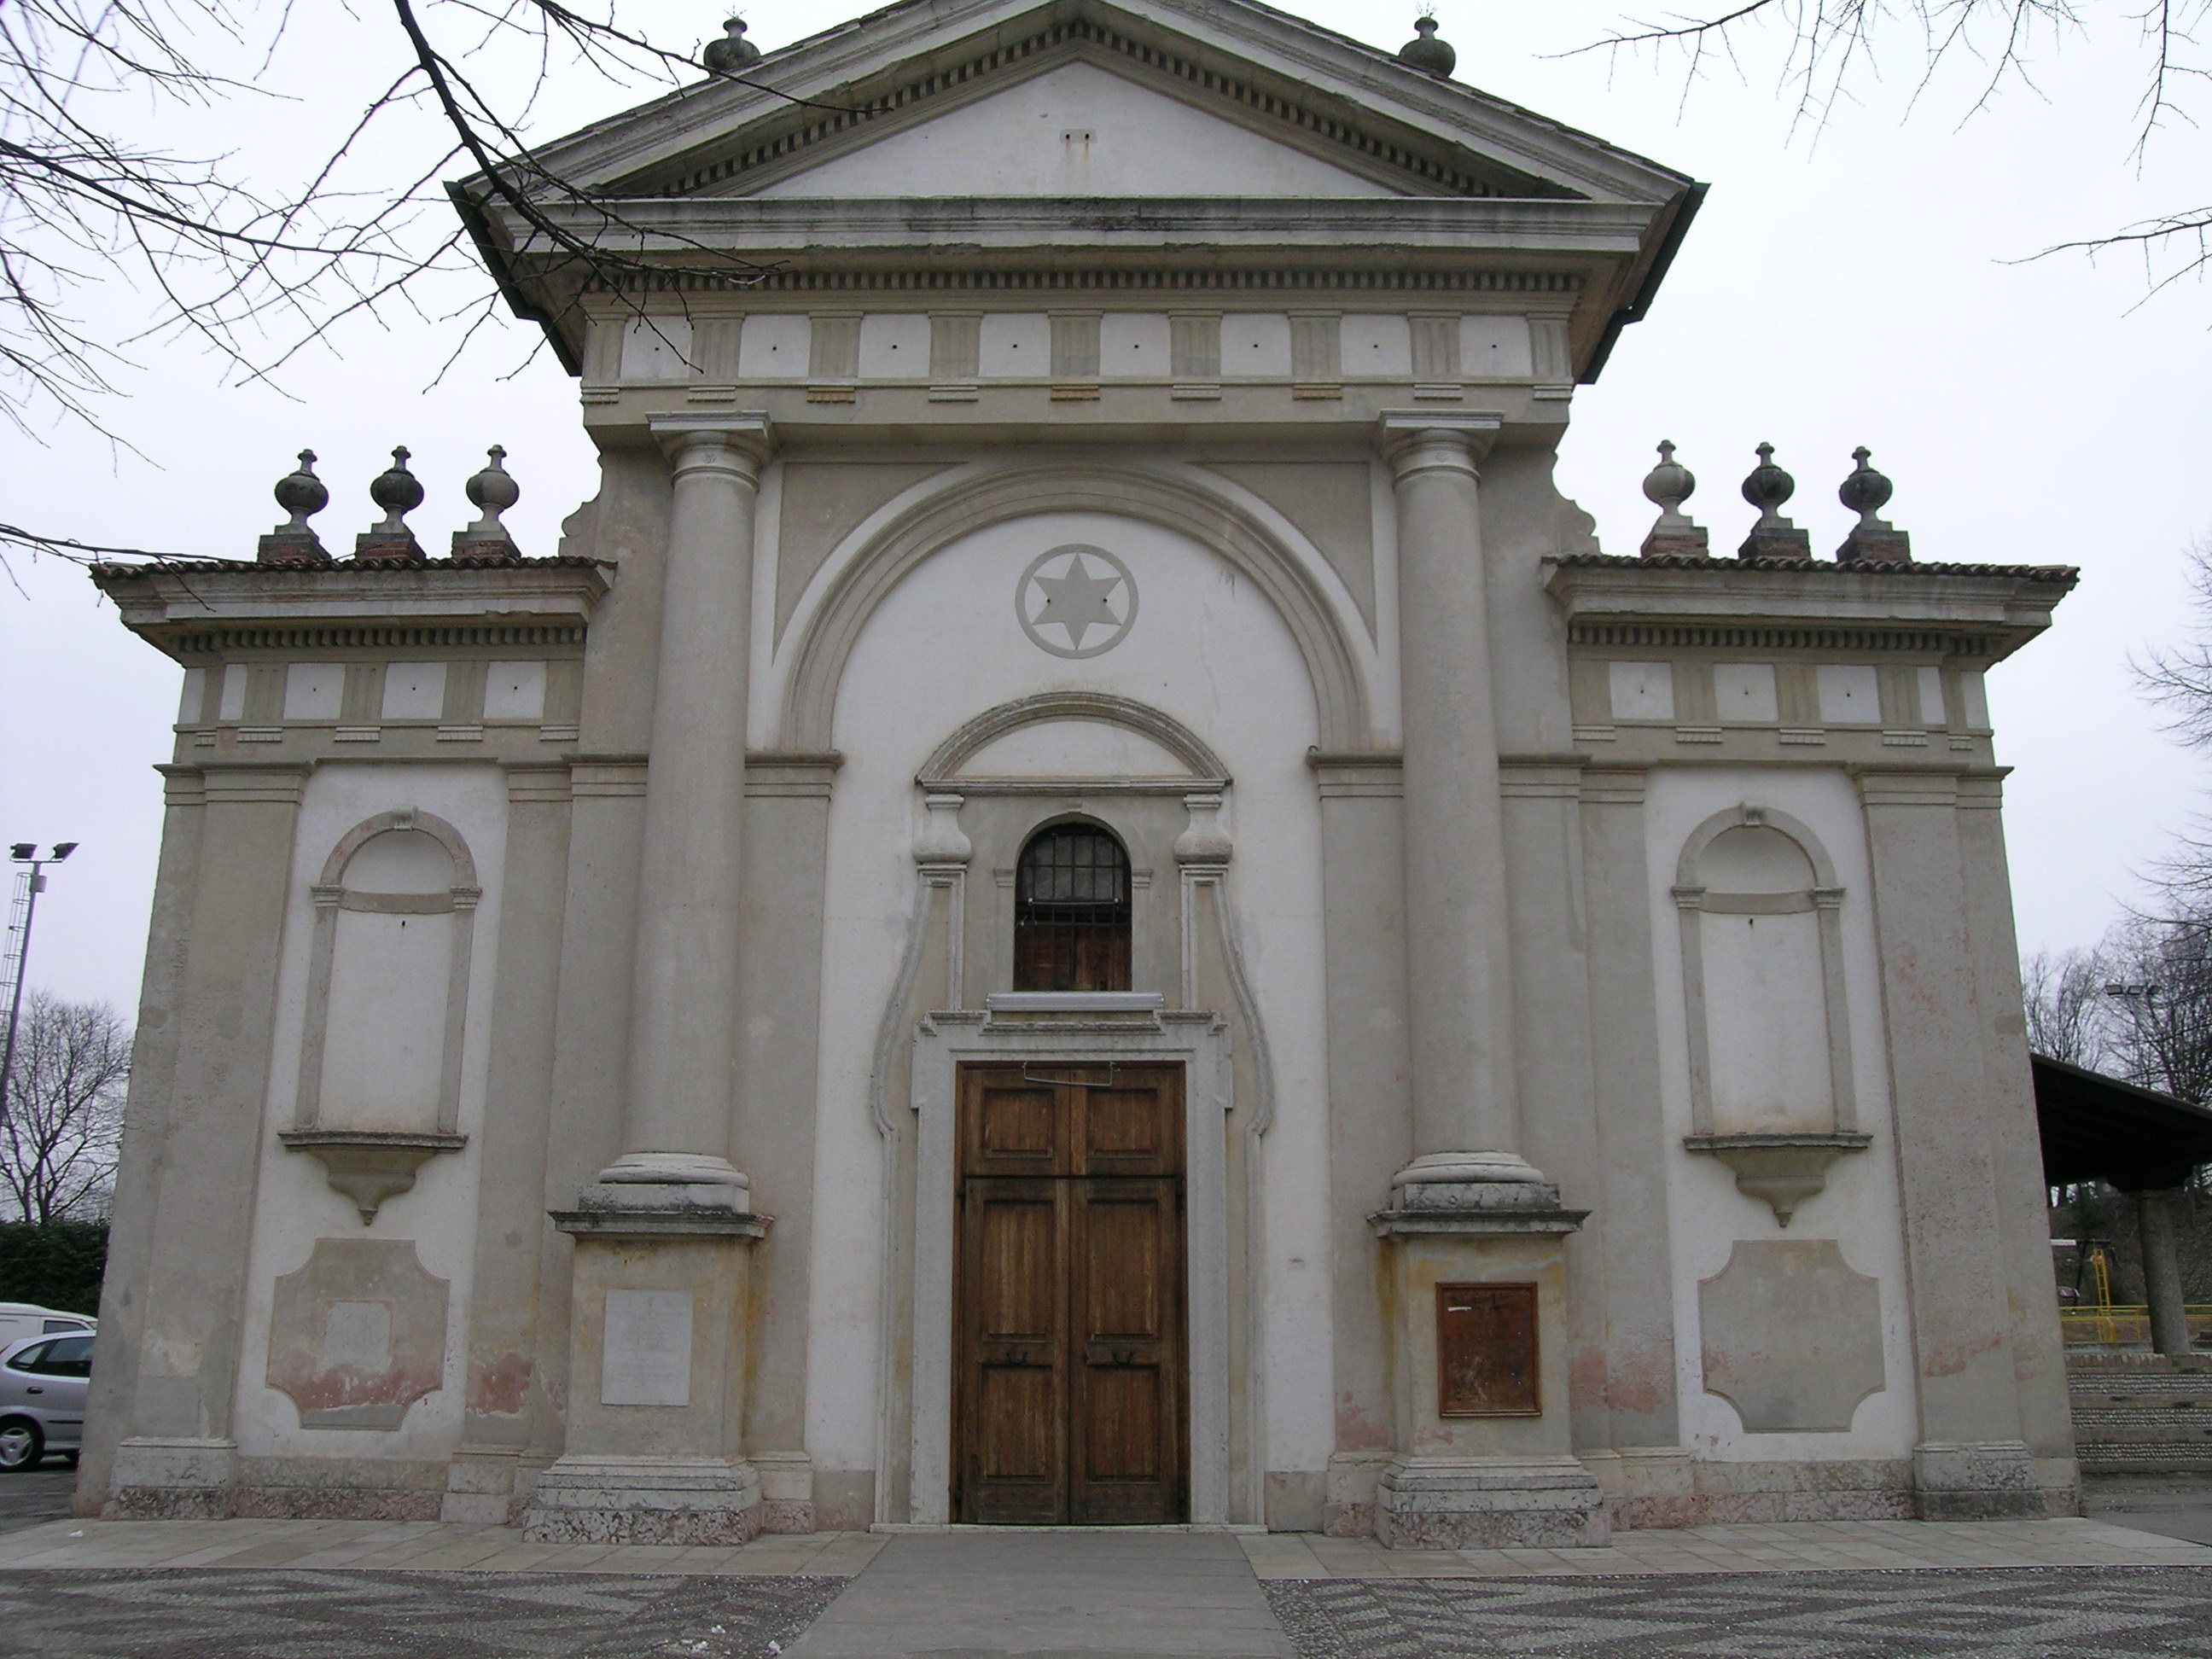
34,879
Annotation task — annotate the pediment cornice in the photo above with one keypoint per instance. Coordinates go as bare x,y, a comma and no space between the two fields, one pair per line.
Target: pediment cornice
1302,84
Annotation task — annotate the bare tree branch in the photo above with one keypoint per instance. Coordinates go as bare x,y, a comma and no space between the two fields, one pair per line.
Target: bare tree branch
1829,49
64,1113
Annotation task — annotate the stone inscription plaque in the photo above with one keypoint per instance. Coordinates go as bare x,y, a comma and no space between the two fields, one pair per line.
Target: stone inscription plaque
645,1355
1486,1351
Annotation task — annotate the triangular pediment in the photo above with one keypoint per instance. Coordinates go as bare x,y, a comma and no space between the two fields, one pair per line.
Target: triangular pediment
1273,105
1076,129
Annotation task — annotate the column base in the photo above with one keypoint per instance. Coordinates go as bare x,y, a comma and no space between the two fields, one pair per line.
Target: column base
645,1500
1989,1481
1489,1503
159,1479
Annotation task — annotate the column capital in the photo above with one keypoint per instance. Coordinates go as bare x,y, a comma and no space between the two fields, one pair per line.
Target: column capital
1415,439
696,441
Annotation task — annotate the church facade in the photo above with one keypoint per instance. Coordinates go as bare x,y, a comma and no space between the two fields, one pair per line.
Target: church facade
1079,898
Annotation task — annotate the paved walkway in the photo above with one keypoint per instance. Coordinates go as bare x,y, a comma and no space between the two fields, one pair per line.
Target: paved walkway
276,1590
435,1547
1103,1595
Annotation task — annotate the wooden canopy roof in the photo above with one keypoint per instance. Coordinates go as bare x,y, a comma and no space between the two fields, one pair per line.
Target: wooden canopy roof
2096,1127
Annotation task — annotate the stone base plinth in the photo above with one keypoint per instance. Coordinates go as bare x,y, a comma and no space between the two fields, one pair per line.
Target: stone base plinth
1488,1503
1993,1480
172,1479
644,1500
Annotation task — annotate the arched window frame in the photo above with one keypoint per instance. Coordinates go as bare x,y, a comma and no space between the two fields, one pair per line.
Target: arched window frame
330,896
1824,898
1128,903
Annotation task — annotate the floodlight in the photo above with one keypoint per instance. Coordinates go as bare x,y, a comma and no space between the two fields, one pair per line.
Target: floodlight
63,849
23,851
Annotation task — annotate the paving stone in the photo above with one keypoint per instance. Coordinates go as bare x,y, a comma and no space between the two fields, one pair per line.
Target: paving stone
255,1613
2099,1613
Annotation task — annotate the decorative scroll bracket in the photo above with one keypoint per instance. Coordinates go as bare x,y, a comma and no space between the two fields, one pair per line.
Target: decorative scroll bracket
370,1165
1781,1170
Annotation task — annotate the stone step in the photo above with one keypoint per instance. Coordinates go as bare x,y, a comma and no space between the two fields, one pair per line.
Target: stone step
2138,1426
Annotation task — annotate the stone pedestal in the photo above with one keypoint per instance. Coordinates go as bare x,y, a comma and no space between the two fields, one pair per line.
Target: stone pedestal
1977,1481
659,1330
1476,1275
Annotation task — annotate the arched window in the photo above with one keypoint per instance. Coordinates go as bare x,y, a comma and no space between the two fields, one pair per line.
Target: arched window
1071,911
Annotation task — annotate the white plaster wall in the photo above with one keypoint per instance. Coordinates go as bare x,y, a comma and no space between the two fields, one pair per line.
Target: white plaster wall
1765,1007
1076,130
293,1206
1376,347
1073,749
1134,345
1256,345
1860,1208
1497,347
895,345
944,646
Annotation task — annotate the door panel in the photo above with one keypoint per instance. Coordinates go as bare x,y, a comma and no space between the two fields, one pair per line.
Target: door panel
1012,1388
1069,1396
1128,1375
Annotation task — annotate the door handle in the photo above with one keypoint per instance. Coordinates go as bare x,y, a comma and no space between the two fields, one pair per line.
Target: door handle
34,1388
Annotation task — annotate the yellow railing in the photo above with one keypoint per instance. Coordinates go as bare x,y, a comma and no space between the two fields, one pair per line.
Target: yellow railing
2120,1326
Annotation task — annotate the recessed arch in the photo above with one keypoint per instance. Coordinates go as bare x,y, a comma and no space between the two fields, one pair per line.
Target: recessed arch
942,769
1749,815
1175,502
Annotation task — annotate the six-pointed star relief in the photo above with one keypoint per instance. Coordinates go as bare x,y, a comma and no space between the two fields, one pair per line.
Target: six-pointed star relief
1077,601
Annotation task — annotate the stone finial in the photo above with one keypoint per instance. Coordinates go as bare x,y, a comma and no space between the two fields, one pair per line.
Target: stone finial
398,492
733,52
1425,53
1667,486
1772,537
1872,540
491,491
301,494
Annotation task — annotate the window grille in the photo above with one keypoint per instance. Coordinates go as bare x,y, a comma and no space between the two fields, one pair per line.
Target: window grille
1072,912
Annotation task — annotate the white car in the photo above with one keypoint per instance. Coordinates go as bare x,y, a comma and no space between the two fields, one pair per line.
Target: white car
22,1319
43,1381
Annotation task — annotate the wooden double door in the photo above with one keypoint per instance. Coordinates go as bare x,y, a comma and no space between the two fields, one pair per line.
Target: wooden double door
1070,1375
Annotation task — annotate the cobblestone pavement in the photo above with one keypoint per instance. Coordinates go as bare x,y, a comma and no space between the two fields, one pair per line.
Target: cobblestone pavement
240,1614
2078,1613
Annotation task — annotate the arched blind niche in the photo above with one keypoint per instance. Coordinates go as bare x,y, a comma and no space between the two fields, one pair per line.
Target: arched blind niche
1762,955
394,915
1071,911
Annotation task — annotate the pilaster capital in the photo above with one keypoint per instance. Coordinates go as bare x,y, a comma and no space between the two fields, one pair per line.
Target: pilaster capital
738,443
1415,440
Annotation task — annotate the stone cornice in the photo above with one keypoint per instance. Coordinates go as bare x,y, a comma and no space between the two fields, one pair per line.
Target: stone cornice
184,609
708,294
866,59
954,228
1994,610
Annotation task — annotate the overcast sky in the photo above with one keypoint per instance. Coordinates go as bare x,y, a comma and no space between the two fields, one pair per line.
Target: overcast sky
1866,281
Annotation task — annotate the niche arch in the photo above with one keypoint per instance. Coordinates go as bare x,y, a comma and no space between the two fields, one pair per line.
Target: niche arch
379,1083
1326,642
1767,1014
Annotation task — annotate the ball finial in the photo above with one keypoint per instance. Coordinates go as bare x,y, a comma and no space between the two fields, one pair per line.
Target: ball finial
1425,53
732,52
302,494
398,492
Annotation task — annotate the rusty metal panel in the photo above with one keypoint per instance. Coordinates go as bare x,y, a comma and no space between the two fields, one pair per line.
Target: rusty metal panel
1486,1351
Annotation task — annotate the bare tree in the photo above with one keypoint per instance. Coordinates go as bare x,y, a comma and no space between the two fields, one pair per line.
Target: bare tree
64,1114
1831,52
257,255
2066,1006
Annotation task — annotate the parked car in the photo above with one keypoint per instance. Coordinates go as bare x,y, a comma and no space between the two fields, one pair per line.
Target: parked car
21,1319
43,1380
